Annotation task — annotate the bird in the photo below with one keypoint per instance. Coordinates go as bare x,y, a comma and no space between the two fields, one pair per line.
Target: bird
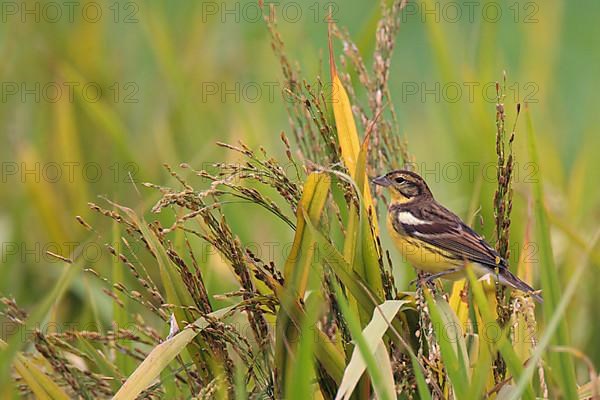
435,240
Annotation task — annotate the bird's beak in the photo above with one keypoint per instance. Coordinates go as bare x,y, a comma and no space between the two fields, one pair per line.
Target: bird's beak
382,181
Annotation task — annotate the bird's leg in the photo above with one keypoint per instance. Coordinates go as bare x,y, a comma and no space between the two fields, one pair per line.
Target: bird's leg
440,274
422,279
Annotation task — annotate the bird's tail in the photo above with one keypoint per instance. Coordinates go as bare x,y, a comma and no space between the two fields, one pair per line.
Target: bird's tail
507,278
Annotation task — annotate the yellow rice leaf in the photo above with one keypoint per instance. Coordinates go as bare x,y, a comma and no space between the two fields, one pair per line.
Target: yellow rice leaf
346,131
344,121
460,308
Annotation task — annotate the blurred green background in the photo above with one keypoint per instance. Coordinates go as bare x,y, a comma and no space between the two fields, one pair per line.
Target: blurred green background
97,93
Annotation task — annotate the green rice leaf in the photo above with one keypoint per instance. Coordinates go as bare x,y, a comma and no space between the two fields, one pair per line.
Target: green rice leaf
513,362
296,272
552,327
561,363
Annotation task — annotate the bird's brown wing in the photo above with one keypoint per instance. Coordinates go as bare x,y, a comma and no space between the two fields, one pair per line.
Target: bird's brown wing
446,231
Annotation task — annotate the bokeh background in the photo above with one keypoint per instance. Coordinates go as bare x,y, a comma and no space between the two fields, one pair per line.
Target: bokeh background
97,96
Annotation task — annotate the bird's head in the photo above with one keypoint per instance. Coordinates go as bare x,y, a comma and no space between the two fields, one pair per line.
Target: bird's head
404,186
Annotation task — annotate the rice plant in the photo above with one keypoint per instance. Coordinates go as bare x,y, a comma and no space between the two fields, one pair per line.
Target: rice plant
331,321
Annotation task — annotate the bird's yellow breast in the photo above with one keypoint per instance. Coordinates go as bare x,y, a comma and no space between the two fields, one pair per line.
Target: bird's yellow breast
420,254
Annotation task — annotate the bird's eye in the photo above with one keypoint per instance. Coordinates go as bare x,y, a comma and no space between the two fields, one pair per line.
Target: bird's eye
399,180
